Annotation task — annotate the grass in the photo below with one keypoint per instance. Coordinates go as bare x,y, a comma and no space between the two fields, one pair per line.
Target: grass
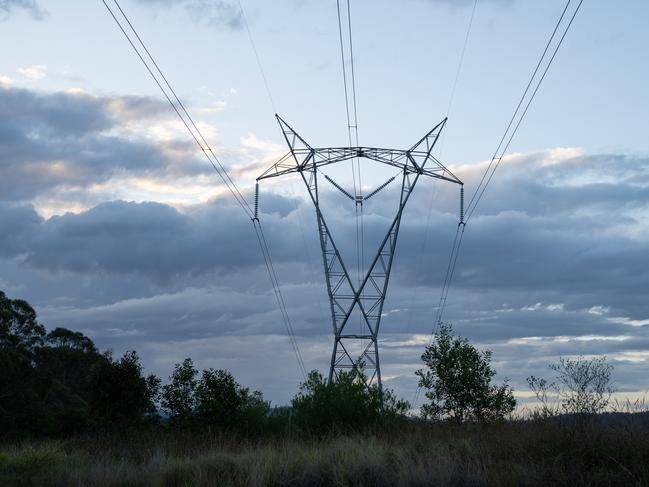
515,453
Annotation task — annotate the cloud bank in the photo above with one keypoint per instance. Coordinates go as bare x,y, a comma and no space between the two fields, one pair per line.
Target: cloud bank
553,264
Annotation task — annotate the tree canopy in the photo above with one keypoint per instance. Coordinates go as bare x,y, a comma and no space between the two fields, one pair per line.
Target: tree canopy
347,402
457,378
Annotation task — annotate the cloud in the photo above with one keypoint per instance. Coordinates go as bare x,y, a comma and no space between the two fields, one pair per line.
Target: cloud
33,73
8,7
551,262
213,12
151,239
71,141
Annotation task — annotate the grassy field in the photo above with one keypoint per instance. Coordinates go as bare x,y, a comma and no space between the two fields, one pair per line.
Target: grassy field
517,453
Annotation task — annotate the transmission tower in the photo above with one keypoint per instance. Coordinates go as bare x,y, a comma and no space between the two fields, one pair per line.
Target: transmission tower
365,298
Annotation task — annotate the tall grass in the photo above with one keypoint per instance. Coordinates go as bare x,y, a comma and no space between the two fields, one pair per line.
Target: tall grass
516,453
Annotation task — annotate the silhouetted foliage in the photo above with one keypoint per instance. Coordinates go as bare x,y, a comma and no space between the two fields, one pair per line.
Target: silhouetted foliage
346,403
59,384
19,401
582,386
215,400
19,329
457,379
222,403
119,393
178,397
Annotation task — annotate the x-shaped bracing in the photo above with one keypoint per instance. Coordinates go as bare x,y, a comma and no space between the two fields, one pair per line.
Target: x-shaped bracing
367,298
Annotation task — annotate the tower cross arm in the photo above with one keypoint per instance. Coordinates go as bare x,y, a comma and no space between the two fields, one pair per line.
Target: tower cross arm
303,157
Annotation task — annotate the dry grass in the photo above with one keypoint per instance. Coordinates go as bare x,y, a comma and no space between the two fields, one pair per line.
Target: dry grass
516,453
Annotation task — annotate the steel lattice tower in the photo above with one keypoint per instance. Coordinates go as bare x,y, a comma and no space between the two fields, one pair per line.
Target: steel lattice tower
367,297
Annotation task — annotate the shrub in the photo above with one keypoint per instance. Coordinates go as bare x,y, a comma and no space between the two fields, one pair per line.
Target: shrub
457,379
346,403
224,404
119,393
582,386
178,397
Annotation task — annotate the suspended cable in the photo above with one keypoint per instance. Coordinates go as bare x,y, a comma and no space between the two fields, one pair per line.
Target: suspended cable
461,62
458,71
352,126
278,294
307,244
498,155
257,58
459,232
180,110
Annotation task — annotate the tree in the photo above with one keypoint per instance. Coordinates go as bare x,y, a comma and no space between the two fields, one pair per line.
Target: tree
457,378
63,364
20,335
55,383
178,397
224,404
19,400
119,393
18,326
346,403
582,386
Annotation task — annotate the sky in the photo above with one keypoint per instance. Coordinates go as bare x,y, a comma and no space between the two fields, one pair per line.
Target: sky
111,222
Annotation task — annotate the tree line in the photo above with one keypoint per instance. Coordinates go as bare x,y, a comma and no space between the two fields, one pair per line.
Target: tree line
58,383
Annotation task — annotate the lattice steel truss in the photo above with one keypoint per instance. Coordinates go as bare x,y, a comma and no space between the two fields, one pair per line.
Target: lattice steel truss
367,297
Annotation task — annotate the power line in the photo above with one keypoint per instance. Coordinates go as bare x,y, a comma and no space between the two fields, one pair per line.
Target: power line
461,62
188,122
191,126
497,157
353,127
459,232
278,294
498,154
257,58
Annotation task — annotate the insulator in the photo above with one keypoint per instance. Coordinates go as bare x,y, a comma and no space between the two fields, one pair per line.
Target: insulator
257,201
339,188
462,204
380,188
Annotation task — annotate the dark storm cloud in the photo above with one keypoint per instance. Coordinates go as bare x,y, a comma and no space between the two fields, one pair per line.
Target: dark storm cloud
216,12
49,140
8,7
150,239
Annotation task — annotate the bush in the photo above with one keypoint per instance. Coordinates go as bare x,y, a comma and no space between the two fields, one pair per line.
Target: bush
216,400
119,393
223,404
457,379
346,403
582,386
178,397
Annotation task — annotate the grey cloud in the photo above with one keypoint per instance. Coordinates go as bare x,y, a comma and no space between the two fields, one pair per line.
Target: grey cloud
216,12
567,262
8,7
50,140
151,239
